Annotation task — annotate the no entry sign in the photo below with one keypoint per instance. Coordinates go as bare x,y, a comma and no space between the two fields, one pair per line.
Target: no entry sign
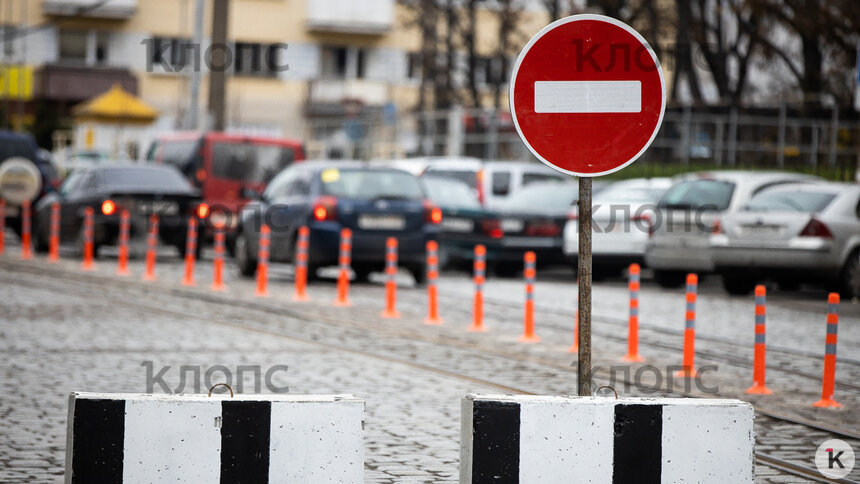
587,95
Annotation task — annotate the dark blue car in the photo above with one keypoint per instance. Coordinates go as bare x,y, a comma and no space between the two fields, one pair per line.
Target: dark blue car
326,196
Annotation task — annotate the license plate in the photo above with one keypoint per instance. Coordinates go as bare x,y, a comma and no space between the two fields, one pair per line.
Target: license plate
158,207
381,222
512,225
457,224
760,230
12,211
531,241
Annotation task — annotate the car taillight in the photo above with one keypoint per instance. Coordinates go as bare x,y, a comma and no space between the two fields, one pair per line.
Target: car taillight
815,228
324,209
493,228
544,229
572,216
432,213
717,227
108,207
202,211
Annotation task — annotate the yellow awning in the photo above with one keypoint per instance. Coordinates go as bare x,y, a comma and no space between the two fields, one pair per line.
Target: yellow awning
115,106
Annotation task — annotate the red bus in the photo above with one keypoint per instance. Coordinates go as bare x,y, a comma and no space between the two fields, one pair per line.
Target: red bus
227,168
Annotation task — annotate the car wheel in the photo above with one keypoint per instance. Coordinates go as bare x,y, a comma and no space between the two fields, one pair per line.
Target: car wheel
362,274
247,265
670,279
851,276
506,269
444,258
738,284
40,240
419,273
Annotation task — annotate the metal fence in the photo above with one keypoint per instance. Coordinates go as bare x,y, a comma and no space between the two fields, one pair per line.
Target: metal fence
770,139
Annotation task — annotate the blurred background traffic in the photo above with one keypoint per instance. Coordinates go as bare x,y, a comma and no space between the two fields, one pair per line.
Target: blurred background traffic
213,108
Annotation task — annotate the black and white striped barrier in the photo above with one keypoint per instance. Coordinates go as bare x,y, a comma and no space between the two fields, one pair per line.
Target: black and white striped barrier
543,439
132,438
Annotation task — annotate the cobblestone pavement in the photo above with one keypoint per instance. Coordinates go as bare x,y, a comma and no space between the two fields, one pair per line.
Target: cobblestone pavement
71,334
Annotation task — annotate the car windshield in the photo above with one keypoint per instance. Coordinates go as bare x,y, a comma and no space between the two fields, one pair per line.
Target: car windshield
248,162
630,194
468,177
699,195
359,184
785,201
135,178
450,193
544,198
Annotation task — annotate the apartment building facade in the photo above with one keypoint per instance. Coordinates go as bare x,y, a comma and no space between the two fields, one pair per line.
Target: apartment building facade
289,62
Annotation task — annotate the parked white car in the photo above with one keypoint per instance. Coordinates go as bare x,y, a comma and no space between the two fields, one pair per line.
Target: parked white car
622,214
792,234
680,240
494,181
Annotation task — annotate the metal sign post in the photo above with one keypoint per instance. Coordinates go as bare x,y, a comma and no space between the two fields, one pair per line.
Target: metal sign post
587,97
583,370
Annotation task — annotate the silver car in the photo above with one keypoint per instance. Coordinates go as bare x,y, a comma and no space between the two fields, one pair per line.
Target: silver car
684,220
622,216
792,234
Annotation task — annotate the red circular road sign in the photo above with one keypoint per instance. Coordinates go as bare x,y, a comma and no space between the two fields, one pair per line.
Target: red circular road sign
587,95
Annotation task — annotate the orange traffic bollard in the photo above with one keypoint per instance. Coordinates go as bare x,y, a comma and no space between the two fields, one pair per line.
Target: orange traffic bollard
432,275
829,377
151,247
218,263
344,262
301,264
480,268
87,263
54,238
2,226
633,321
190,252
26,249
391,283
263,262
759,365
529,273
688,369
574,348
122,259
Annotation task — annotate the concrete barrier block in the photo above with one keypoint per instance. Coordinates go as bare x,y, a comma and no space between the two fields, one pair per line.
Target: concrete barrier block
133,438
553,439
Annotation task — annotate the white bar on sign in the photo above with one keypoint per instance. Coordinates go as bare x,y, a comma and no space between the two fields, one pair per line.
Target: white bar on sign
588,96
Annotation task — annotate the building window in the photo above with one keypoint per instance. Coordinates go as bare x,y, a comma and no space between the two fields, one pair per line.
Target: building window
334,62
343,62
73,46
101,48
84,47
413,65
169,53
253,59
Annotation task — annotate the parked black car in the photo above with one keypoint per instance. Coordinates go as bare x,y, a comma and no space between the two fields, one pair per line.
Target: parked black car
326,196
465,223
143,190
24,175
533,220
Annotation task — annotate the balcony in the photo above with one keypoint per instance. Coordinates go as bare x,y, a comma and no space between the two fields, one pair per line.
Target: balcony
112,9
330,96
59,82
348,16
